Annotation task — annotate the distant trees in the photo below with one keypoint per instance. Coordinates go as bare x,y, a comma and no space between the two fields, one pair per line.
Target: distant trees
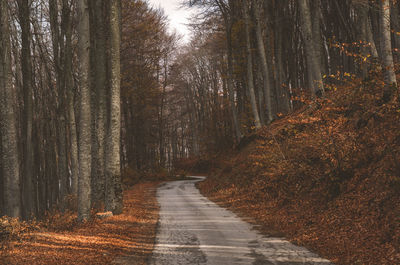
147,52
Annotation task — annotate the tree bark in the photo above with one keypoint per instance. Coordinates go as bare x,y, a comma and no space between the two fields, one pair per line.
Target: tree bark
85,120
231,92
114,201
100,106
58,44
250,77
10,162
264,64
371,40
386,47
313,71
283,93
69,87
26,64
362,15
316,32
394,15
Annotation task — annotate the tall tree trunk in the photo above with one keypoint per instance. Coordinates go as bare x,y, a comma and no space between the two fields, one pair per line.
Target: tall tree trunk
313,71
58,44
316,31
264,64
26,64
114,201
363,23
371,40
161,114
283,95
10,162
1,154
394,15
250,77
386,47
231,91
100,82
69,87
85,120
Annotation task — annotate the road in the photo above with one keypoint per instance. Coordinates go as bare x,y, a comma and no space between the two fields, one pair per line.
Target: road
193,230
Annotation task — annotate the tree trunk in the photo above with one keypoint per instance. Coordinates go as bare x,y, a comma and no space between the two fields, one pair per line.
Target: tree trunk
161,113
10,162
250,77
264,64
362,35
26,64
394,15
1,155
113,173
98,176
371,40
316,31
283,95
231,92
69,87
57,41
313,71
386,47
85,120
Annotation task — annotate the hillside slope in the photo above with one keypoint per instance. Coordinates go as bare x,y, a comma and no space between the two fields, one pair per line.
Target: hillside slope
327,176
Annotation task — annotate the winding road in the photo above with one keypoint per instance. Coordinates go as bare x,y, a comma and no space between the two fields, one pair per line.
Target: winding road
193,230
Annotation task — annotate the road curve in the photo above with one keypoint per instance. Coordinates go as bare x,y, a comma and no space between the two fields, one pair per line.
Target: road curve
194,230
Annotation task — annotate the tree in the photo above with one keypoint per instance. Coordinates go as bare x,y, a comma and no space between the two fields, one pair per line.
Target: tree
85,120
99,106
10,162
114,201
58,50
250,78
314,72
69,87
26,64
263,60
386,43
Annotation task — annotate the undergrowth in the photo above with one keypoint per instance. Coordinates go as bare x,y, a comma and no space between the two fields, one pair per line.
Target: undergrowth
326,176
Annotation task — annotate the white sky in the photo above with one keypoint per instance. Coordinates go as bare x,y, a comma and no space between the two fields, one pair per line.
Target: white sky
176,15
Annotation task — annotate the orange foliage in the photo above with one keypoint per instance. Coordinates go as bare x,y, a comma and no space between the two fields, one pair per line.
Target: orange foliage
327,176
118,238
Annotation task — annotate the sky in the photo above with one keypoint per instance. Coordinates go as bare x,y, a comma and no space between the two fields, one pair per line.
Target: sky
177,16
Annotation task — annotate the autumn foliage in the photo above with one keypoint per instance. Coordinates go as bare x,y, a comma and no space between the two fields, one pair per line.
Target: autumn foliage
326,176
124,239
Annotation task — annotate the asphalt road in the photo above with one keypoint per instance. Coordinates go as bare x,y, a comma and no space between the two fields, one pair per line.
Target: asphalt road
193,230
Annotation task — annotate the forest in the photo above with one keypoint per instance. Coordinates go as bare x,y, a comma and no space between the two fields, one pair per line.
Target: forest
290,107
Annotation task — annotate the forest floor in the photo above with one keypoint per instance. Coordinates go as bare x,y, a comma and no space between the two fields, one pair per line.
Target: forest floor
104,241
326,177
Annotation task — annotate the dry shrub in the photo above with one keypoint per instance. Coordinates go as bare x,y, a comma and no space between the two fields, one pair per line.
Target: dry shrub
60,221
